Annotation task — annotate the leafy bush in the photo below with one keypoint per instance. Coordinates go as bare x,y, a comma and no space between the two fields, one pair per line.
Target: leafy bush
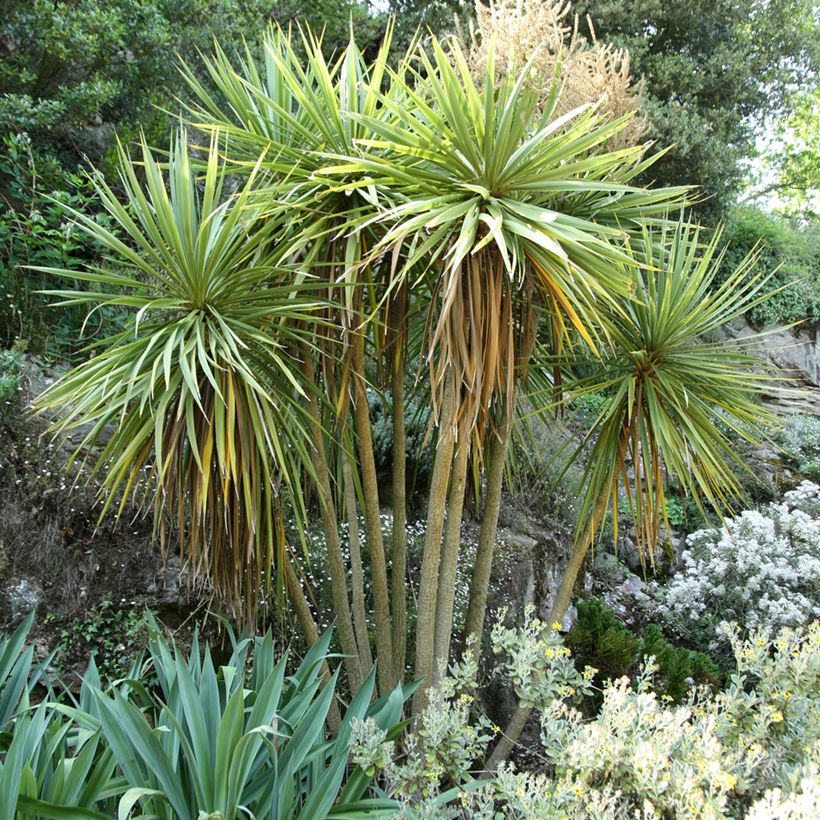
36,231
113,635
602,641
796,251
738,753
11,363
800,440
763,568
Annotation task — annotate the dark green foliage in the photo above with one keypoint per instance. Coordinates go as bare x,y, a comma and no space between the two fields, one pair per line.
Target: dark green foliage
678,667
113,635
714,70
424,16
420,446
800,440
70,72
795,250
35,230
11,364
601,640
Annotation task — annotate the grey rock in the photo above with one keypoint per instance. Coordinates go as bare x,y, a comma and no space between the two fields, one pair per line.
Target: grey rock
570,618
518,540
608,570
21,597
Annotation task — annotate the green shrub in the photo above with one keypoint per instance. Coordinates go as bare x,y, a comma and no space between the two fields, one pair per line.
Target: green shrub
795,250
800,440
11,365
114,636
599,639
36,231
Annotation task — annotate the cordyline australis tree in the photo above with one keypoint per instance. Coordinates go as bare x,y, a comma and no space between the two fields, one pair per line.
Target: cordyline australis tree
375,203
674,404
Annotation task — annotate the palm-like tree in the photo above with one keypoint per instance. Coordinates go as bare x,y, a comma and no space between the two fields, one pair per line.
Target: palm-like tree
298,111
370,194
485,181
676,403
198,388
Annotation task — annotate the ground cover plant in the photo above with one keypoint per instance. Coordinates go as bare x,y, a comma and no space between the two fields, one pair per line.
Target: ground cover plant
746,750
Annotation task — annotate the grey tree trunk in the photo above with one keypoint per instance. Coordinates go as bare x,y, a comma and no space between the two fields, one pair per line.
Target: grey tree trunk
338,573
449,558
375,541
428,585
356,571
480,585
311,633
399,556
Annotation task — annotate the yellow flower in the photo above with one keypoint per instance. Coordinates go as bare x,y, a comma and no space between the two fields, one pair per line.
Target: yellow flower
728,781
556,626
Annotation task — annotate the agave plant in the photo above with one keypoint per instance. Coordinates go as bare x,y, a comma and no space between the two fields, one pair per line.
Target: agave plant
180,737
17,672
199,390
215,743
52,769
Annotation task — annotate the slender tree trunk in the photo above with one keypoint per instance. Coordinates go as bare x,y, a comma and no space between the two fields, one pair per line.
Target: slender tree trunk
357,574
428,585
480,585
509,738
579,549
375,541
559,609
338,573
576,560
399,571
449,558
311,633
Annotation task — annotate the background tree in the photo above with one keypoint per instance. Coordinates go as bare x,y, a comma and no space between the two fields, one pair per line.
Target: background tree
786,174
72,72
714,71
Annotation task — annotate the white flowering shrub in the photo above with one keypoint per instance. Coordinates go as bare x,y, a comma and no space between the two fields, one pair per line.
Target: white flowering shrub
801,804
751,751
762,569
